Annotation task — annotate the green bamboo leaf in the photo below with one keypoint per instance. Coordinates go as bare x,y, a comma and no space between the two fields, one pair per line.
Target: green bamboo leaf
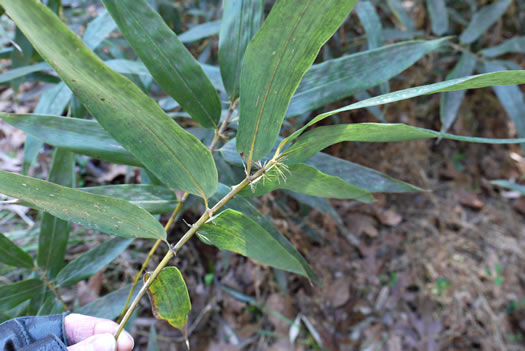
21,71
451,101
512,99
108,215
12,255
22,56
50,306
169,297
241,19
510,185
319,138
109,306
81,136
98,29
245,206
402,15
153,344
233,231
153,198
471,82
200,31
54,232
437,10
336,79
132,118
483,20
91,262
14,294
360,176
308,180
275,61
169,62
513,45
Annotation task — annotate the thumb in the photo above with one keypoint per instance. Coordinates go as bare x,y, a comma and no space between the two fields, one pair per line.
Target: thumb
100,342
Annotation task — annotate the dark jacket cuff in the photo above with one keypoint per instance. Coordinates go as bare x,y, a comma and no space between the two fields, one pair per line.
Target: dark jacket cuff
22,332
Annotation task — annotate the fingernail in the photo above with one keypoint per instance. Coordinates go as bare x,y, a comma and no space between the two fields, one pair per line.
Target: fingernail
125,341
105,342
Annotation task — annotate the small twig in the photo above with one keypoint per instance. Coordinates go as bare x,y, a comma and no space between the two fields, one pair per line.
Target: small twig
51,287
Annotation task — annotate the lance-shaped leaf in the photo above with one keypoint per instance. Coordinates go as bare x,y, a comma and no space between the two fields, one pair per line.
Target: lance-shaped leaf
12,255
112,216
402,15
22,71
305,179
153,198
153,344
200,31
92,261
319,138
54,232
241,19
275,61
471,82
81,136
514,45
510,185
109,306
233,231
340,78
483,20
360,176
136,121
14,294
246,207
169,62
438,16
512,99
451,101
169,297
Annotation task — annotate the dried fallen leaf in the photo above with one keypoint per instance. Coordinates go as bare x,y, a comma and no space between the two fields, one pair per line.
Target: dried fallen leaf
338,293
470,200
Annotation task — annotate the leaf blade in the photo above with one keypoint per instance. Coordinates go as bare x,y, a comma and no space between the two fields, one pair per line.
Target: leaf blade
12,255
116,102
274,63
14,294
483,20
106,214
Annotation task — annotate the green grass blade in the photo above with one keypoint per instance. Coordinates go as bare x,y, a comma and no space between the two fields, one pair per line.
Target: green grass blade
275,61
106,214
241,19
483,20
169,62
131,117
12,255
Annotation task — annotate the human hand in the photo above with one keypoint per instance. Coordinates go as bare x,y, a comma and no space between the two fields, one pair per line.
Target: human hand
95,334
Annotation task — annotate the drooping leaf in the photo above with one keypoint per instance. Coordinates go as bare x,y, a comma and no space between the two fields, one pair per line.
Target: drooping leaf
241,19
108,215
360,176
131,117
308,180
317,203
483,20
153,344
169,297
153,198
233,231
340,78
169,62
437,10
200,31
14,294
510,185
12,255
451,101
402,15
512,99
513,45
275,61
22,71
246,207
50,306
319,138
109,306
54,232
91,262
471,82
98,29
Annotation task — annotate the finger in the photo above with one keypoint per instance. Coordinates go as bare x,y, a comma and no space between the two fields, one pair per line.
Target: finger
79,327
100,342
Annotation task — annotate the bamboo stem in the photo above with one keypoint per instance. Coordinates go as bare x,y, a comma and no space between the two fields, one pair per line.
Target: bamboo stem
51,287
